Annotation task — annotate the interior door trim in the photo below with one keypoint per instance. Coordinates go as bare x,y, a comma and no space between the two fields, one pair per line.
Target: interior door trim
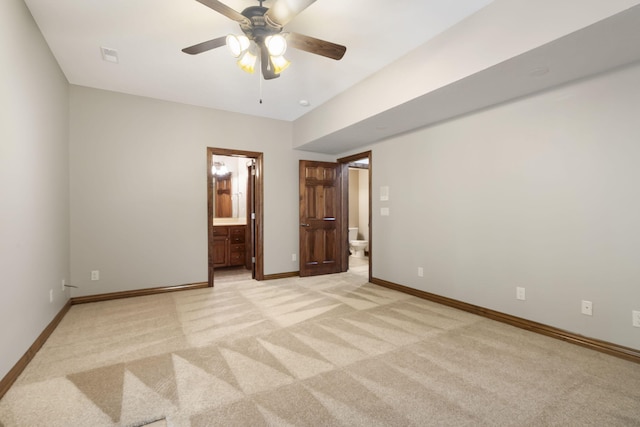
345,203
259,207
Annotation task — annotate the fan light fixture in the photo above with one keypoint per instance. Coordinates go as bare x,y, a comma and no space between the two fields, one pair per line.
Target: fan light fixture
241,47
276,44
237,44
263,36
280,63
248,62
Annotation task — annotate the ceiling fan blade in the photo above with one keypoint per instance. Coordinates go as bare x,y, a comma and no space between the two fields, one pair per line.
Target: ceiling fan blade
284,11
205,46
317,46
225,10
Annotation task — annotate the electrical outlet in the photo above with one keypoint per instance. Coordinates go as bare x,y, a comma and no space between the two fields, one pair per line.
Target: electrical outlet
420,272
64,282
587,308
520,293
95,275
50,295
636,318
294,257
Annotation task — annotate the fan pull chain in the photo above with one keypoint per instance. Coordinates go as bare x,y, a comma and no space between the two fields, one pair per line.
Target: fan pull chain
260,80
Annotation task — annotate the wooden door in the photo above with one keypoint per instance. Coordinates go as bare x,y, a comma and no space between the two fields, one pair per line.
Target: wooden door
320,218
250,237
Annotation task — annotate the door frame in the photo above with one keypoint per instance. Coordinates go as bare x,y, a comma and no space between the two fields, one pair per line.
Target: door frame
345,205
259,208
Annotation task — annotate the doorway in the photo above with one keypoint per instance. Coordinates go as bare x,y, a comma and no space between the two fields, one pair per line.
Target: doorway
235,211
357,201
321,217
324,216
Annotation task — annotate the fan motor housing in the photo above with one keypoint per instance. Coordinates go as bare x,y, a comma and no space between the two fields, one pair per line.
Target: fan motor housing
259,28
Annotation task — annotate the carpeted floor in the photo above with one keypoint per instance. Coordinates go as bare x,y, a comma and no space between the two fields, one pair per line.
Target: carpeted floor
321,351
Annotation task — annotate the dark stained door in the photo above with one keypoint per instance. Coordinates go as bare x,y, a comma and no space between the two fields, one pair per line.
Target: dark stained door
251,219
320,218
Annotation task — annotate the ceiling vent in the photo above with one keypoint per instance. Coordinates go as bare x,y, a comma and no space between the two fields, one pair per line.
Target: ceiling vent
109,55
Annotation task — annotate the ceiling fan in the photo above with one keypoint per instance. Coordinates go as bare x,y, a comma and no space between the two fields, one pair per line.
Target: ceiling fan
263,26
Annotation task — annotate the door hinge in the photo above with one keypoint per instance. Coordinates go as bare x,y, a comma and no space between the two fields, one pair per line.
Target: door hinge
253,215
253,260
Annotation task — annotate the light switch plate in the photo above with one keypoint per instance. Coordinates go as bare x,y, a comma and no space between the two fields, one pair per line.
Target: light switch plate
636,318
384,193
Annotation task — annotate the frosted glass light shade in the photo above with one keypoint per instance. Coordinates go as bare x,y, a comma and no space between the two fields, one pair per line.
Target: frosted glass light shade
248,62
237,44
276,44
280,63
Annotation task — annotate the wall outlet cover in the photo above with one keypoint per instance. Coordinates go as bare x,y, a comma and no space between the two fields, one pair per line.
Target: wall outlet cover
587,308
520,293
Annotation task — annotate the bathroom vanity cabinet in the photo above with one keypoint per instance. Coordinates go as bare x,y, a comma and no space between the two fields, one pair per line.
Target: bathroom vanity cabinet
229,245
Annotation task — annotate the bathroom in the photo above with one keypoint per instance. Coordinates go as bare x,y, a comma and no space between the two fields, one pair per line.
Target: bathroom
234,169
359,212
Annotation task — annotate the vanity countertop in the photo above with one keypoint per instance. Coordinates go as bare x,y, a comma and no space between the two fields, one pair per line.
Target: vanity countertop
229,221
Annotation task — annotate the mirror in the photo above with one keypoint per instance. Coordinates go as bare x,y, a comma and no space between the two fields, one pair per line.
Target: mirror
230,175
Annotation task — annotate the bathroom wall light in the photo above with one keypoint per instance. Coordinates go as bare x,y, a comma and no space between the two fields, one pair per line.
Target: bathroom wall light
219,169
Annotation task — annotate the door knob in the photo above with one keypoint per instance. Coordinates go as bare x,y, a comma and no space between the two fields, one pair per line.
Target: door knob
305,225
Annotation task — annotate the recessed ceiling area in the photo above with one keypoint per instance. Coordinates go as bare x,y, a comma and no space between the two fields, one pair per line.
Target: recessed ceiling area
472,66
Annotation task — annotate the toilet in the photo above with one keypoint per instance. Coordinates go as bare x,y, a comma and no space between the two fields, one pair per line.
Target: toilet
356,246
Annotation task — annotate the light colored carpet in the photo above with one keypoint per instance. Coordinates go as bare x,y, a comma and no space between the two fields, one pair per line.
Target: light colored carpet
321,351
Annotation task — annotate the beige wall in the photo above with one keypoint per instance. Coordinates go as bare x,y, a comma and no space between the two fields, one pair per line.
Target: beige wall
34,183
359,201
138,189
354,202
540,193
363,202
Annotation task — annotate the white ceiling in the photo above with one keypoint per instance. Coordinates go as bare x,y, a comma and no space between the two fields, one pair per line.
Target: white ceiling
149,36
381,36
